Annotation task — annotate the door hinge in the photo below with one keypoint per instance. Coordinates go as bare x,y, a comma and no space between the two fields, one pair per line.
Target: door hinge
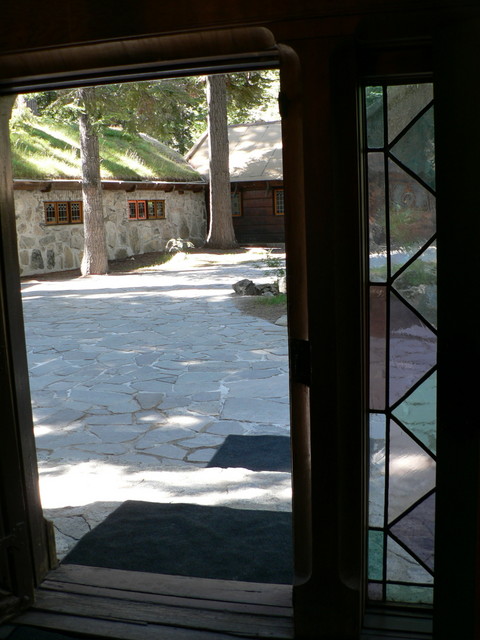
300,361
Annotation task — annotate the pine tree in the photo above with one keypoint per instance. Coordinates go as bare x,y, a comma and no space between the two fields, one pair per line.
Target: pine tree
221,234
95,258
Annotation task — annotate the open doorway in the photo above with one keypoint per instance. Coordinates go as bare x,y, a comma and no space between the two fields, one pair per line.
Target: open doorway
142,381
140,377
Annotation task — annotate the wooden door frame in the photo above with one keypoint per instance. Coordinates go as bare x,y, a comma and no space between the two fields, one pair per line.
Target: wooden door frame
25,547
224,51
326,349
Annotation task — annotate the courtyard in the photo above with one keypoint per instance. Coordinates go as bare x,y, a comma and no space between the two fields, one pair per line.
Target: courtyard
138,379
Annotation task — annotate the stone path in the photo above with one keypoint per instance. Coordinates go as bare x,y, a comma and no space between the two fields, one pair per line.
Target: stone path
137,379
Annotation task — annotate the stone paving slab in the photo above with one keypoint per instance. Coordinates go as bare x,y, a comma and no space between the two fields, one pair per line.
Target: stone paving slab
137,379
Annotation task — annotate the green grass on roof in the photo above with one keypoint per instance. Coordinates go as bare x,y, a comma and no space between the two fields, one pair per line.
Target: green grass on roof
45,149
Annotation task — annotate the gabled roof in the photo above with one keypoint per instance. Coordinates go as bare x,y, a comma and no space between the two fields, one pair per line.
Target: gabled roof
255,152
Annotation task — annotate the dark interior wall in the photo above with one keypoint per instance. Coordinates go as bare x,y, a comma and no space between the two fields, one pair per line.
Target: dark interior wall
331,39
26,25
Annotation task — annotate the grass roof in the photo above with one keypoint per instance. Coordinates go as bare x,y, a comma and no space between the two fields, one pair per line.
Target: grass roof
45,149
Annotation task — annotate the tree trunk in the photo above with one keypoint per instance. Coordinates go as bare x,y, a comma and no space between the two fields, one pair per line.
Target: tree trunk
94,259
28,102
220,234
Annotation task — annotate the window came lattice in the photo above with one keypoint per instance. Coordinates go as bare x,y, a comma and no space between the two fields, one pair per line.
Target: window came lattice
279,202
64,212
146,209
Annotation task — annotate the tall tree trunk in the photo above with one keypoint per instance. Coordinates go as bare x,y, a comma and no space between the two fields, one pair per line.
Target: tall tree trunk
220,234
95,260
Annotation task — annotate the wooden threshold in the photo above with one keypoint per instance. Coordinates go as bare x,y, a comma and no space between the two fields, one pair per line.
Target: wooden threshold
131,605
397,624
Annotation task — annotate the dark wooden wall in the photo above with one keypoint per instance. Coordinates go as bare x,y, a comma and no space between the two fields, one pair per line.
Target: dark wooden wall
258,222
333,42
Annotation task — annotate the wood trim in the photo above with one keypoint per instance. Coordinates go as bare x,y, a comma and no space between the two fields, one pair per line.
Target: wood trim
107,185
19,491
172,55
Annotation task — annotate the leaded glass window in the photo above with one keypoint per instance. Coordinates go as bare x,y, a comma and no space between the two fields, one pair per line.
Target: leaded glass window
279,202
64,212
402,371
236,203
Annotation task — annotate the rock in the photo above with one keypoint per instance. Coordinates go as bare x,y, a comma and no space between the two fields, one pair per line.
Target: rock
282,321
246,288
268,289
282,284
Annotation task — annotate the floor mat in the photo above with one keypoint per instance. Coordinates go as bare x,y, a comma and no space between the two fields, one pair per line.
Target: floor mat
191,540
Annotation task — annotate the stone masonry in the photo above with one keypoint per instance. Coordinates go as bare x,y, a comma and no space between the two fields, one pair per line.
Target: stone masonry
46,248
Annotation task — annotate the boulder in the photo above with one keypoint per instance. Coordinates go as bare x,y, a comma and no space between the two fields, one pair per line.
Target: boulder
246,288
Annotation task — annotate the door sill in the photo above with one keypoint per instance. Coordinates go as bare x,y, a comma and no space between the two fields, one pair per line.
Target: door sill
130,605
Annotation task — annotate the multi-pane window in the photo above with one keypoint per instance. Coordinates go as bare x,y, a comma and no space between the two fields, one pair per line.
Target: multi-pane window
63,212
155,209
146,209
236,203
400,157
278,202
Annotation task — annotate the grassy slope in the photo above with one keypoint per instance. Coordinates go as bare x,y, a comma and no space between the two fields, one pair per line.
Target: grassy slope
43,149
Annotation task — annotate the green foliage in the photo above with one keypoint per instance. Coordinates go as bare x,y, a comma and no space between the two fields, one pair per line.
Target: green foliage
418,273
43,148
276,263
373,96
172,110
250,93
280,298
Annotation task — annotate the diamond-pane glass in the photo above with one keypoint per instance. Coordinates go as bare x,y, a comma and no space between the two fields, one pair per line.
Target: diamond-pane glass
417,284
402,567
418,412
376,218
411,472
412,216
413,349
416,530
378,449
409,593
378,346
375,126
402,341
375,555
416,148
404,103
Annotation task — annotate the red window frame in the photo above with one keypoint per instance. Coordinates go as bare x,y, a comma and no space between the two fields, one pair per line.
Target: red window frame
63,212
146,209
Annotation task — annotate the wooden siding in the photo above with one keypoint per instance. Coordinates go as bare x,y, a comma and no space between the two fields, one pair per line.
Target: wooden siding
258,222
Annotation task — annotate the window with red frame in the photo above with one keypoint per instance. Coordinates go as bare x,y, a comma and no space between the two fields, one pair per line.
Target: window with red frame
65,212
146,209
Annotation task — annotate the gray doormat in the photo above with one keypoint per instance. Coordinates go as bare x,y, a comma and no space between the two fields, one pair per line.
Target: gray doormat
191,540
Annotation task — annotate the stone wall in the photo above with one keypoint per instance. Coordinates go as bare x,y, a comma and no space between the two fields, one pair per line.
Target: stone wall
46,248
